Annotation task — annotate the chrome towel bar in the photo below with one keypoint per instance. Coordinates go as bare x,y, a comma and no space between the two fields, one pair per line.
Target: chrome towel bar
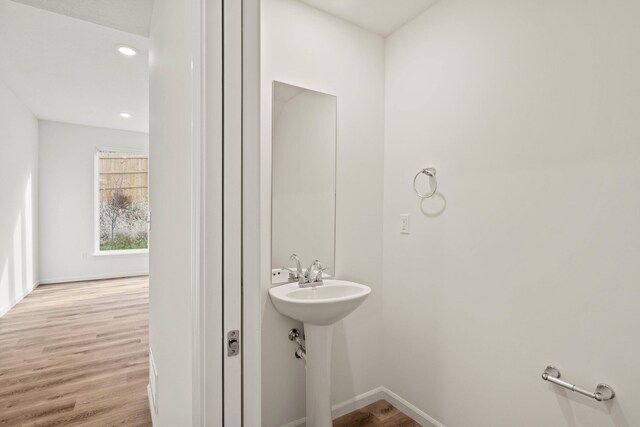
603,391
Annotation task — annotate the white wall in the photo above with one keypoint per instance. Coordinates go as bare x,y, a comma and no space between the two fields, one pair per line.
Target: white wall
529,111
303,196
67,203
170,323
18,200
307,48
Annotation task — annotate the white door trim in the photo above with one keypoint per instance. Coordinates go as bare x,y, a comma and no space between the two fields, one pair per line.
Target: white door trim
252,310
197,212
232,206
207,212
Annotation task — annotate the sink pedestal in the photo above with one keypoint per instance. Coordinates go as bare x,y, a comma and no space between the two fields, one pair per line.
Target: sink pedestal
318,375
318,307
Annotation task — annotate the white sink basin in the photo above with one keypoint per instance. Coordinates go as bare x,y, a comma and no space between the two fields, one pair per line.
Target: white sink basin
321,305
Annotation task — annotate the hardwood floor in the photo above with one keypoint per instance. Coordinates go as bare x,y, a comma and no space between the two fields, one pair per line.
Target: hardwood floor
380,413
77,354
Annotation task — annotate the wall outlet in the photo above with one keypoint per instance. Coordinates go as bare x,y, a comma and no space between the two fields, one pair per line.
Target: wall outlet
404,224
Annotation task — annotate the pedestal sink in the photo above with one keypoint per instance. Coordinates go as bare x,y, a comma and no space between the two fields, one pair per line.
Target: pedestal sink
318,308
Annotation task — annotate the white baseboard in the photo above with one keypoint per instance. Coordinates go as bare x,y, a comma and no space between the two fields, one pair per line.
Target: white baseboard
357,402
411,410
379,393
296,423
91,277
153,413
6,307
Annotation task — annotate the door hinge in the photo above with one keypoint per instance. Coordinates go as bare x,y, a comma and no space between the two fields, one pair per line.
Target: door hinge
233,343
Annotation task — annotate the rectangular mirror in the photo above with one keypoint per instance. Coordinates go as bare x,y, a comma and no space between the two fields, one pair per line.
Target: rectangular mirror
303,186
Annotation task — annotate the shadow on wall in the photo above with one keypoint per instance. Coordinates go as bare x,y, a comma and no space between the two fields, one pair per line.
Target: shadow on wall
434,206
16,276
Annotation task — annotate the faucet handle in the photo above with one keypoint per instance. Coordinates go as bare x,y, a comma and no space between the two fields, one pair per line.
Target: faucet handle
315,264
319,270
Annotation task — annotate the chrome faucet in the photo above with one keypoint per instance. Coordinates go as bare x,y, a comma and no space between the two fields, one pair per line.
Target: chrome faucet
307,278
317,277
297,275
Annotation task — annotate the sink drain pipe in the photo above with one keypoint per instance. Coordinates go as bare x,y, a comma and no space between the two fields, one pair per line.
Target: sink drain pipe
301,354
301,351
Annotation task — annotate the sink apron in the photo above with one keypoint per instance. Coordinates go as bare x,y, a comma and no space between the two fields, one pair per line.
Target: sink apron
318,374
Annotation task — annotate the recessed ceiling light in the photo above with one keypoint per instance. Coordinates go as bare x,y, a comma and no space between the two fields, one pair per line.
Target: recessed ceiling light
127,50
125,115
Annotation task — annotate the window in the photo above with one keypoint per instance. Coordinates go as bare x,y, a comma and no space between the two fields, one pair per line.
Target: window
122,201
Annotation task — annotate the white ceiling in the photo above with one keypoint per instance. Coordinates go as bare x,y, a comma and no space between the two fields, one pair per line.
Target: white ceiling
132,16
67,69
379,16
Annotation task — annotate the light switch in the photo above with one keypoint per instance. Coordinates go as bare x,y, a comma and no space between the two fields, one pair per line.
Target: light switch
404,224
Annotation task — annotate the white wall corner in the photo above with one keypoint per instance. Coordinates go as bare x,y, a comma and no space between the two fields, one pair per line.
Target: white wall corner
347,406
379,393
4,309
410,410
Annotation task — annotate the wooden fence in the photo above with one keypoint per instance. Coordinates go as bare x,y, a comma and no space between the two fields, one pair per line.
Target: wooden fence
128,173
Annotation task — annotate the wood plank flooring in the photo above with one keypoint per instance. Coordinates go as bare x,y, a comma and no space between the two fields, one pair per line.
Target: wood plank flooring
77,354
378,414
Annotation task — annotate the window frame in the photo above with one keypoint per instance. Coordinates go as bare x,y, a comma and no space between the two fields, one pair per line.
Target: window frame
97,252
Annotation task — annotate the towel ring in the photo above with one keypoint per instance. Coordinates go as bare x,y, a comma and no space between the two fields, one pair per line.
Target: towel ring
430,172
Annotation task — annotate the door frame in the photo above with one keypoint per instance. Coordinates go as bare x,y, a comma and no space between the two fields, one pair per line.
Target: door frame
206,231
226,293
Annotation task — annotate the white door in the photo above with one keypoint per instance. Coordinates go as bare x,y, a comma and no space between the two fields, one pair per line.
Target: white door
220,350
232,94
